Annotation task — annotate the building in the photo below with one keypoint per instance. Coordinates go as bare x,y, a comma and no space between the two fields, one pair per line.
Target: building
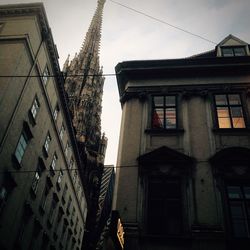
104,212
84,87
42,195
183,179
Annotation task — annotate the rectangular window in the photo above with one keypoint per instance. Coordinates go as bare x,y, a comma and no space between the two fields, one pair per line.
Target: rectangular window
47,143
64,192
69,204
239,205
59,179
164,112
233,51
34,108
229,111
164,206
3,197
62,130
36,179
45,76
53,164
51,214
44,197
55,113
21,147
67,150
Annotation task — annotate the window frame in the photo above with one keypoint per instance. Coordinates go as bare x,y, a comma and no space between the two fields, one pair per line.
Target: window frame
56,112
164,107
35,108
229,106
36,179
232,48
167,201
47,142
45,75
244,201
21,147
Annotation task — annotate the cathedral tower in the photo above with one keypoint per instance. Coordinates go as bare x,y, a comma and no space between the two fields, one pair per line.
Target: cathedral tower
84,85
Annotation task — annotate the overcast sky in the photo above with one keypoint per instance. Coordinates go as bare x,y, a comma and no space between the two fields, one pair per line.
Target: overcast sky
127,35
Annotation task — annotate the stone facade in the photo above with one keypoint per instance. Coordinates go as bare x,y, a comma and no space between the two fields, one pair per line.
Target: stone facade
182,179
42,197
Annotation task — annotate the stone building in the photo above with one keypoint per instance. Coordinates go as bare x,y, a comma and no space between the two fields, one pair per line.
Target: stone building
84,87
42,195
183,176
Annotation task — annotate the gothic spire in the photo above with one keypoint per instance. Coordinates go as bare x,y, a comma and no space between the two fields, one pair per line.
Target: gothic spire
84,84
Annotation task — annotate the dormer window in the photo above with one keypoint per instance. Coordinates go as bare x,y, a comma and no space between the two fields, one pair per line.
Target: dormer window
233,51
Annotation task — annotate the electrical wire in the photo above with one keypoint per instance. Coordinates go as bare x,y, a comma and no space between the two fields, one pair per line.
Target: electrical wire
69,75
162,21
75,169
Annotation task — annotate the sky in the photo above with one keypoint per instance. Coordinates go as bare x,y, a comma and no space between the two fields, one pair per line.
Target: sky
128,35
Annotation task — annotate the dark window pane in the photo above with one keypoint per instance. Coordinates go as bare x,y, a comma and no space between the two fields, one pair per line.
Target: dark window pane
237,209
234,192
239,51
170,100
240,228
172,189
158,101
227,52
237,117
173,218
221,100
247,192
170,118
158,118
234,99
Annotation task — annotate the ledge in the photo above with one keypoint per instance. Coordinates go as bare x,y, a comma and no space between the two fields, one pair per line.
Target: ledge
231,130
164,131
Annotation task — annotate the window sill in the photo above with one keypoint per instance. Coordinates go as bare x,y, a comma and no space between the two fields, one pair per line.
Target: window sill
164,131
231,130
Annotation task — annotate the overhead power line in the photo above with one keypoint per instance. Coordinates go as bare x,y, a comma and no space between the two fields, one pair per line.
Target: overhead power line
162,21
69,75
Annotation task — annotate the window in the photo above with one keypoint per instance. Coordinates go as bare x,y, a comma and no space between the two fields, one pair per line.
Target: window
55,113
229,111
45,76
3,197
71,163
64,193
59,179
69,204
239,204
53,164
164,206
62,130
44,198
233,51
21,147
164,112
36,179
67,148
8,184
34,108
47,143
53,206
